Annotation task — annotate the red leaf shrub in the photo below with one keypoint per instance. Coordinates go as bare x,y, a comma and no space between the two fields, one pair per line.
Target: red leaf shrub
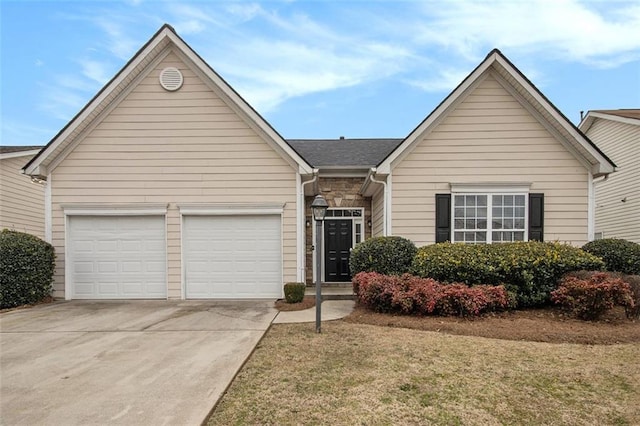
412,295
589,296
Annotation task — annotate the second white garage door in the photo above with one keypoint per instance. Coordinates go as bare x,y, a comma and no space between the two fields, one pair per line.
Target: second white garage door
231,257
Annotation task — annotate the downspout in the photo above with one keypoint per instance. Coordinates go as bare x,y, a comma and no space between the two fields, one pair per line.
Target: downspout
384,201
591,208
301,235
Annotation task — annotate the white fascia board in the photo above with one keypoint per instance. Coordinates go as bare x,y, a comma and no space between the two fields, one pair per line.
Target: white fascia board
611,117
235,98
33,169
605,166
231,209
18,154
436,115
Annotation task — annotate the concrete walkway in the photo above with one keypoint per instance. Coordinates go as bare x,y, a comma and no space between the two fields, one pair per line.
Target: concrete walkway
330,310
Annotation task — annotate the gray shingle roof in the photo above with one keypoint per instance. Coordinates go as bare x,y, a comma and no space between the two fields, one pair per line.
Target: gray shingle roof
344,152
10,149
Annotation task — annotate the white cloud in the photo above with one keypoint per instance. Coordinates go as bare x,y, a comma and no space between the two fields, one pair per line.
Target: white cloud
96,70
15,132
119,42
563,29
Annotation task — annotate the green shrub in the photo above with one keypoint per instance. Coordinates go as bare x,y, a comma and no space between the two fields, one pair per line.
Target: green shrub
589,298
385,255
26,269
618,255
408,294
294,292
530,270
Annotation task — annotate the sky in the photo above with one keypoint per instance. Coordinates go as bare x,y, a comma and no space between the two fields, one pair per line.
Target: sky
319,69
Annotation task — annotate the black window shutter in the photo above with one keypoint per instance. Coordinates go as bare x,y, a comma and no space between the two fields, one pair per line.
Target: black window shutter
443,218
536,217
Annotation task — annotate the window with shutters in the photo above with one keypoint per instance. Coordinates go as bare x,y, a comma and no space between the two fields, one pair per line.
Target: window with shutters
489,218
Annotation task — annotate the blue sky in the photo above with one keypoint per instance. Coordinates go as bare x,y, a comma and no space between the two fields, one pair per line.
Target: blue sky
320,69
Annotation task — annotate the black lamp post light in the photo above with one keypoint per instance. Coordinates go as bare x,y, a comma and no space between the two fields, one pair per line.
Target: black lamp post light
319,209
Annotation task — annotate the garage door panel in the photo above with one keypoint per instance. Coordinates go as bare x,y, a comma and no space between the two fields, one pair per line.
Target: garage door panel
118,257
233,256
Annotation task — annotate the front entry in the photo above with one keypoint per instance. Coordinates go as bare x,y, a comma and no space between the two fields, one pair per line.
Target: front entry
338,240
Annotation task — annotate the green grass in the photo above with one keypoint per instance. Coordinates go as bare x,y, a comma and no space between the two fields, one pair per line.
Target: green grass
362,374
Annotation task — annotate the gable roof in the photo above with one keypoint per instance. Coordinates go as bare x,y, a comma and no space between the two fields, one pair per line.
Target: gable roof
352,153
18,151
163,39
629,116
527,93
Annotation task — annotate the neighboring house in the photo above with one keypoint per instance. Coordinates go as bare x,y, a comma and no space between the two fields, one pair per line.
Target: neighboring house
21,199
617,132
169,185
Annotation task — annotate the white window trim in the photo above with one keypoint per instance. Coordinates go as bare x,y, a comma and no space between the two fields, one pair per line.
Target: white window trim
489,207
491,188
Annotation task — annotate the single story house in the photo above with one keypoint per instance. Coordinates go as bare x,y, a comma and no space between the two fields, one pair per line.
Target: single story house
617,211
21,199
168,184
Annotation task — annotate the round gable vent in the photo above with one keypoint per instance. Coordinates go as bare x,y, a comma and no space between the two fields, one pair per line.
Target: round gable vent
171,79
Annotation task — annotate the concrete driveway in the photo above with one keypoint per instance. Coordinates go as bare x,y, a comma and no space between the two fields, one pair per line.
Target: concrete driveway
134,362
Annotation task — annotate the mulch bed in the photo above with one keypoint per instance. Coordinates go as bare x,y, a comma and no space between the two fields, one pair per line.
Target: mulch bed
550,325
307,302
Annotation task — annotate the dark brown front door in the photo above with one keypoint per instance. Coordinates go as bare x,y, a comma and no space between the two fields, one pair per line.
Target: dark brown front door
338,240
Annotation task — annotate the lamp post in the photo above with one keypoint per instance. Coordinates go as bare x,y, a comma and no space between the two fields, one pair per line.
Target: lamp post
319,209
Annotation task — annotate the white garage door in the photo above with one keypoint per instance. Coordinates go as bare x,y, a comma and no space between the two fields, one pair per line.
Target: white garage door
232,256
117,257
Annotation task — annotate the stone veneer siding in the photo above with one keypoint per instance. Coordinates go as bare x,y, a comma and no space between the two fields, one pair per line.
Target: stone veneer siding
339,192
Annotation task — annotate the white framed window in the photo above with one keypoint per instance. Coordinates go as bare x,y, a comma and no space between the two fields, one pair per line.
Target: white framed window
480,218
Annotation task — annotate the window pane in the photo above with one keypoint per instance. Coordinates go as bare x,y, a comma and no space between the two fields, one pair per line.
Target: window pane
518,236
508,212
356,213
518,224
458,236
459,200
519,212
471,200
482,212
470,212
497,200
497,211
482,200
482,224
496,224
459,212
470,224
458,223
508,224
519,200
481,236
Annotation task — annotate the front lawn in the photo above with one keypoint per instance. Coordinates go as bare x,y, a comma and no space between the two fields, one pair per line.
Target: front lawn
367,374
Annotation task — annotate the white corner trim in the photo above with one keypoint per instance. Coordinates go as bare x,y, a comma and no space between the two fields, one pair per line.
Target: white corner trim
48,233
488,187
114,209
230,209
591,209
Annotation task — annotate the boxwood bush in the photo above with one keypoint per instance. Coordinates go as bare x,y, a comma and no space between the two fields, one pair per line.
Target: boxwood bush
618,255
26,269
294,292
530,270
385,255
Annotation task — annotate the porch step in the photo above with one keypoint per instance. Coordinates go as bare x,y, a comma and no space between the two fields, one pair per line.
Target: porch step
333,291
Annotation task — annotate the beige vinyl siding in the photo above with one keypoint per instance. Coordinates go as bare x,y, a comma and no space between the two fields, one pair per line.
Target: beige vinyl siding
490,138
621,142
377,213
21,201
178,147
